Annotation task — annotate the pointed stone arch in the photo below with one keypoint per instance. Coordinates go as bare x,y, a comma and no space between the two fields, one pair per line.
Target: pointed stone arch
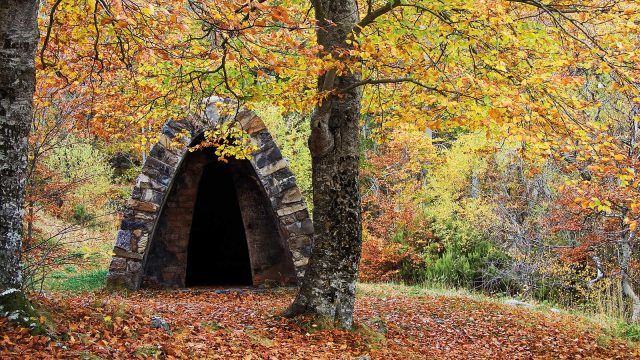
153,240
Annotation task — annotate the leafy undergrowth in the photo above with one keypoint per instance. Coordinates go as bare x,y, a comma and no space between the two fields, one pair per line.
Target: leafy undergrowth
245,324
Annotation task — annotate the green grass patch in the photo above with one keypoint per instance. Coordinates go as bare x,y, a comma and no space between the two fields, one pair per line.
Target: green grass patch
86,355
148,351
375,340
630,331
400,290
213,325
77,282
258,339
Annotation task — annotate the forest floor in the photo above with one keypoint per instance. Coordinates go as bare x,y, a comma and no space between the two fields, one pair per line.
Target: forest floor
393,322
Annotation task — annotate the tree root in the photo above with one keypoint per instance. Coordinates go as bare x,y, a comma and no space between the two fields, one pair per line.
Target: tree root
15,306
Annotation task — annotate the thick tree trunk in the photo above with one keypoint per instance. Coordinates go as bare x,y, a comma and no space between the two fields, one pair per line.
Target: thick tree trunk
627,283
328,287
18,42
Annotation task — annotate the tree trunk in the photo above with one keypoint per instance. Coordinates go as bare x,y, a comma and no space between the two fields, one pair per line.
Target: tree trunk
627,283
328,287
18,42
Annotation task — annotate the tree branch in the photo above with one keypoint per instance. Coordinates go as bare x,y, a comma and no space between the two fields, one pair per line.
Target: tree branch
390,81
48,35
600,273
404,80
374,14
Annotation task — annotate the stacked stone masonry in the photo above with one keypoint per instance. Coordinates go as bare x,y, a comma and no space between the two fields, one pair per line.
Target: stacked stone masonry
149,199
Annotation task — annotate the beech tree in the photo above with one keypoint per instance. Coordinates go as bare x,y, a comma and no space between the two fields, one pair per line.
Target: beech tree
329,284
19,39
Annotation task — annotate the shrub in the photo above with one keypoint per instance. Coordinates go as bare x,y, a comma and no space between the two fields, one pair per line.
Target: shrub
382,261
81,215
460,257
85,176
630,331
464,265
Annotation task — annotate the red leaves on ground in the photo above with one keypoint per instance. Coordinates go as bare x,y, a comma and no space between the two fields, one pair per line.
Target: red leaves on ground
246,325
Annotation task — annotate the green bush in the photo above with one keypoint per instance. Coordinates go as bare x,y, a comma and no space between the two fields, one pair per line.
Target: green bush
461,258
630,331
81,215
85,174
459,265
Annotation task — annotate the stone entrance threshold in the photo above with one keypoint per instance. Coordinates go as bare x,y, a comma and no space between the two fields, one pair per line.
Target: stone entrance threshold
235,289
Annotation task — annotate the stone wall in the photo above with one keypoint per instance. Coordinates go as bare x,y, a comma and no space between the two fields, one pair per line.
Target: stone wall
268,249
166,259
151,197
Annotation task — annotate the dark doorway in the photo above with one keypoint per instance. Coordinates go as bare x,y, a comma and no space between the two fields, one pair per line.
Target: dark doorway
218,253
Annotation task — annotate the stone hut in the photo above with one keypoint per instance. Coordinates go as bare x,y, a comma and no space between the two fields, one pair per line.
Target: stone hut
195,221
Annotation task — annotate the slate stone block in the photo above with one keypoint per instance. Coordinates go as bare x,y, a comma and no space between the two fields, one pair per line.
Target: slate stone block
169,131
295,228
268,156
162,179
161,153
263,140
127,254
134,266
157,165
133,224
282,174
291,195
179,125
152,196
271,168
158,151
302,214
118,264
142,244
307,226
290,209
145,182
123,239
136,193
287,183
144,206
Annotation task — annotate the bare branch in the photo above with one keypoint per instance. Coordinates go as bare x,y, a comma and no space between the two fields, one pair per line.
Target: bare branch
403,80
600,273
48,35
374,14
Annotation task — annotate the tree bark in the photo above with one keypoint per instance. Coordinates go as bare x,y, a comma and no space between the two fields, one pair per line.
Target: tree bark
328,287
626,243
627,283
18,43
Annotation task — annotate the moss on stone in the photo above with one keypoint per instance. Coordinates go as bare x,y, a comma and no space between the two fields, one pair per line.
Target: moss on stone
17,308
